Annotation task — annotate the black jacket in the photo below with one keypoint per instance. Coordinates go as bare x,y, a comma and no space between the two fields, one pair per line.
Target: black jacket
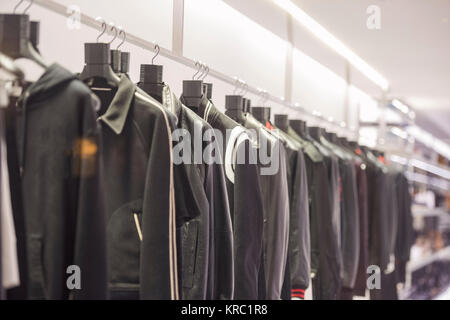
361,180
349,213
139,191
274,189
245,198
323,206
207,247
378,188
59,152
298,269
405,232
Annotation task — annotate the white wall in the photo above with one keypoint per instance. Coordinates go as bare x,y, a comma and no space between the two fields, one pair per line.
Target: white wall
215,33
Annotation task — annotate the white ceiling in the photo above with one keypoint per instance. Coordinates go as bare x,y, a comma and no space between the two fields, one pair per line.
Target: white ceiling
412,49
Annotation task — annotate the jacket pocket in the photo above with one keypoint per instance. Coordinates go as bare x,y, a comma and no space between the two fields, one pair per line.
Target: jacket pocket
124,243
36,272
189,258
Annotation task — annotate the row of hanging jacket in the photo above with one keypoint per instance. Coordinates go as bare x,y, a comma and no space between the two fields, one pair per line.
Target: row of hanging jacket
95,187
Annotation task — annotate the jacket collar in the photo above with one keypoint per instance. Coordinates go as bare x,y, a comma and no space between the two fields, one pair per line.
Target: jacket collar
170,102
117,113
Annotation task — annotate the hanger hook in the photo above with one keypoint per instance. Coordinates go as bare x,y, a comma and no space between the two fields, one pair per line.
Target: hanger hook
262,94
206,72
28,7
237,85
123,39
16,6
245,87
199,66
203,69
103,26
157,49
115,34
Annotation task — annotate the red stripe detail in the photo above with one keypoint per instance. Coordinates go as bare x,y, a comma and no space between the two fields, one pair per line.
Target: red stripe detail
300,290
269,126
298,296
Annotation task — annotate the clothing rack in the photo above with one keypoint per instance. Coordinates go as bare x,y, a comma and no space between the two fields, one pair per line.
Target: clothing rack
148,45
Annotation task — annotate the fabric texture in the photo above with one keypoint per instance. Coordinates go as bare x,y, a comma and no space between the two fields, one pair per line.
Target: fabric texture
140,200
298,272
245,199
58,145
208,274
274,188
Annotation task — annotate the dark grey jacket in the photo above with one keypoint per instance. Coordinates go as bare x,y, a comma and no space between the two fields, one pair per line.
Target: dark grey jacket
142,261
323,204
245,198
59,151
405,232
207,262
349,223
274,189
298,270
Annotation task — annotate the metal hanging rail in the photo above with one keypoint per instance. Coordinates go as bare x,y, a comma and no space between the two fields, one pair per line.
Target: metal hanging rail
148,45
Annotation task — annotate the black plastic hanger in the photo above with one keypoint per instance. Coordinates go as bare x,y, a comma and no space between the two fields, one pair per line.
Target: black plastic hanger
300,128
233,106
115,54
316,133
247,105
120,60
262,114
327,135
15,37
282,122
35,29
125,62
124,56
98,63
193,90
207,87
334,138
151,78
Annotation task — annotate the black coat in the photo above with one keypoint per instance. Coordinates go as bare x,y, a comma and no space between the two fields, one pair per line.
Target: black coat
207,248
349,217
274,189
326,263
298,269
245,199
138,180
59,152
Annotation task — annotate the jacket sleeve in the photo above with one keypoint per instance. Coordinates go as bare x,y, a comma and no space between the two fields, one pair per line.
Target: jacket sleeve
405,228
350,225
90,221
248,225
158,270
221,267
299,234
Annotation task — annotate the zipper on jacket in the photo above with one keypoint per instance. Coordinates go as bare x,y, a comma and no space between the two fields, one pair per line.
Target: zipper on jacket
22,104
138,226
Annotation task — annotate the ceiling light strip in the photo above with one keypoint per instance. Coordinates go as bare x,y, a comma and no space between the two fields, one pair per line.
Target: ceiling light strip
320,32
